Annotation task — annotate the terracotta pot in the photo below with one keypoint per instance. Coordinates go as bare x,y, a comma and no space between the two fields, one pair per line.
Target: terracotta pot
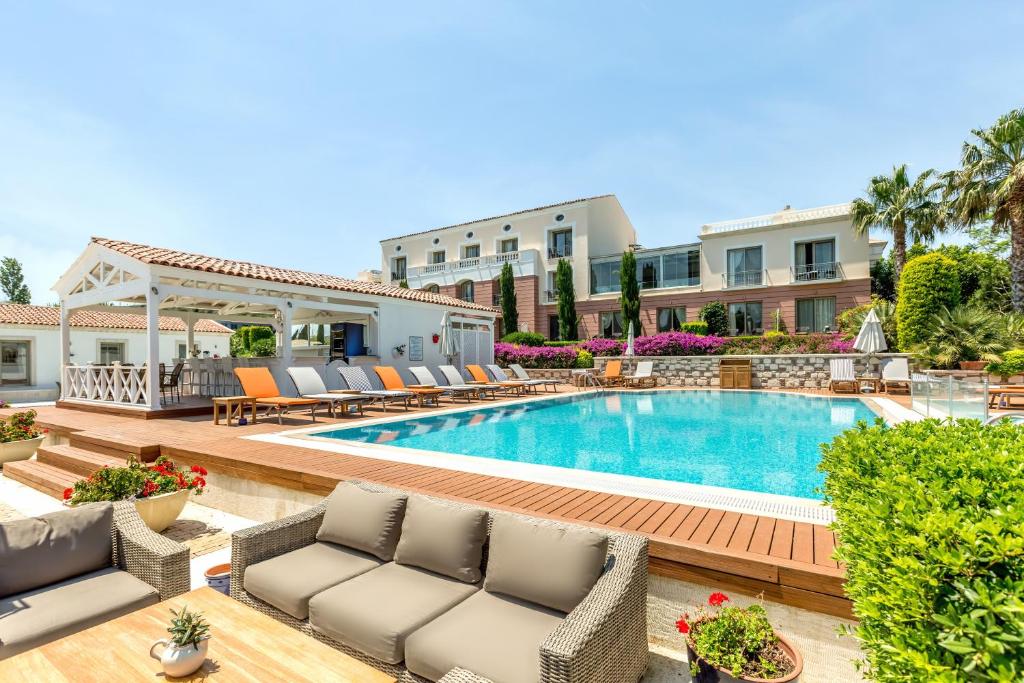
712,674
19,450
973,364
159,512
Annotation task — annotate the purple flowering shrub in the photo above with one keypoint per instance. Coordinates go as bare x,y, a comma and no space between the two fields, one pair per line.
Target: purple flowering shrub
819,342
679,344
603,347
535,356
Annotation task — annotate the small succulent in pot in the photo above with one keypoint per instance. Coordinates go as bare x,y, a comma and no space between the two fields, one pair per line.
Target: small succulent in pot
185,651
188,628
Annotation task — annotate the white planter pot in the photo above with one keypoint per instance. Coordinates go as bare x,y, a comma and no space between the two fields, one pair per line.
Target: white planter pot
159,512
19,450
179,662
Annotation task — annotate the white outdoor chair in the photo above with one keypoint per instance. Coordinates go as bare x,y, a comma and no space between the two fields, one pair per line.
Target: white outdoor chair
357,380
309,384
426,378
843,378
455,379
895,373
520,373
643,377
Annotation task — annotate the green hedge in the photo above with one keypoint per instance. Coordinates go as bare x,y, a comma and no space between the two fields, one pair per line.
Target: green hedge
714,314
695,327
524,338
554,342
928,283
931,517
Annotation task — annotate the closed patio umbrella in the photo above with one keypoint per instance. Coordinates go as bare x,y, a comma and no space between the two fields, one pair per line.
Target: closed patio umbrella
449,342
629,340
870,339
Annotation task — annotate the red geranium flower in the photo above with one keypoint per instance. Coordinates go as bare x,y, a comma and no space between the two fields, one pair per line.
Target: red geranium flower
68,493
148,488
200,482
716,599
683,627
198,469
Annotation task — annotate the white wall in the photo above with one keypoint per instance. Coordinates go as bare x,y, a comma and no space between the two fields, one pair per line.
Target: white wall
400,320
44,350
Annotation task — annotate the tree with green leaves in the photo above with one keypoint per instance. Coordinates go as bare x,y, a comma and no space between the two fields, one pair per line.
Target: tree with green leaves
989,185
403,284
509,311
630,292
12,281
906,209
566,292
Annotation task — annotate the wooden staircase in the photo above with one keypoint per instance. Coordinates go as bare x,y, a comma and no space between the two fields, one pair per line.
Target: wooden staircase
58,467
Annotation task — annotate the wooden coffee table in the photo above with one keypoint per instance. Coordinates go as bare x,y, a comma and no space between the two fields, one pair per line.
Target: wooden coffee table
245,646
233,404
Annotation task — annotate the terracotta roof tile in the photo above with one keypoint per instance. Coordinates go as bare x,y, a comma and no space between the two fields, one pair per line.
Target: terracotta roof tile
210,264
19,314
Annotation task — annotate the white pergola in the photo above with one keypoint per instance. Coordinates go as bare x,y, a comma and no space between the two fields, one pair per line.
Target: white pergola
105,279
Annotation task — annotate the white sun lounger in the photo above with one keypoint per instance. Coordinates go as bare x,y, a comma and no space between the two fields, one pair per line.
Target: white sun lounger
455,379
842,375
308,384
644,375
895,373
520,373
357,380
425,377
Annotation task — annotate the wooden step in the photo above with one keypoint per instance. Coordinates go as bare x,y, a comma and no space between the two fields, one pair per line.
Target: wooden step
41,476
76,460
109,444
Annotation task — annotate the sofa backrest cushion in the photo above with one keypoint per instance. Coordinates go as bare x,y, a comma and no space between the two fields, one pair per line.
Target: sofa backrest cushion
549,565
42,550
445,539
363,520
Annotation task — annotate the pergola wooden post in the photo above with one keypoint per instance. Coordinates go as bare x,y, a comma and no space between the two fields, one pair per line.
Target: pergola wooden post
153,347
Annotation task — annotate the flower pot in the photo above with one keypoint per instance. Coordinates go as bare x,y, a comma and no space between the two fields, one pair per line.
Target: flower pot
973,364
218,577
712,674
19,450
159,512
179,662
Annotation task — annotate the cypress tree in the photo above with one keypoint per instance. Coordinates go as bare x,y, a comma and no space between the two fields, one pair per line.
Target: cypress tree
509,312
567,321
630,296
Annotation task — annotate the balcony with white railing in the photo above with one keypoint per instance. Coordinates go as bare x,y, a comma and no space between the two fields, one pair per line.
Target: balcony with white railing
816,272
744,278
550,296
477,268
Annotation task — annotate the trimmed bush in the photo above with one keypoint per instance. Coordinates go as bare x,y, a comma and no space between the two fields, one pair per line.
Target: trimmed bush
695,327
714,314
1012,364
552,342
678,344
535,356
253,340
931,517
585,359
524,338
775,334
928,284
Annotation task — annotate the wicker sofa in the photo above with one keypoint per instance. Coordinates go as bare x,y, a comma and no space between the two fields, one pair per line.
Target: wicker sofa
600,635
66,571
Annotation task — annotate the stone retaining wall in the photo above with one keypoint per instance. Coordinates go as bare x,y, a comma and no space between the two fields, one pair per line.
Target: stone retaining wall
778,371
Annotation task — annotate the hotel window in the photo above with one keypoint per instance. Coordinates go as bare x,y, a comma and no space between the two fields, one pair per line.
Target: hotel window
816,315
111,352
509,245
671,319
14,362
745,267
398,268
815,261
551,293
611,324
560,244
466,290
681,269
745,318
437,256
433,289
604,276
471,251
553,330
647,272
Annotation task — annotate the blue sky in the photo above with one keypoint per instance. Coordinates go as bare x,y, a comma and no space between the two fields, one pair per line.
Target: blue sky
299,134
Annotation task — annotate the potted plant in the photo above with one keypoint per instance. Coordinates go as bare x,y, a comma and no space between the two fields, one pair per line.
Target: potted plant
160,490
19,436
185,651
737,644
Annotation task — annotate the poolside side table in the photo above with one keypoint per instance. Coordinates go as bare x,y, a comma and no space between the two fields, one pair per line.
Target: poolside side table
874,382
233,404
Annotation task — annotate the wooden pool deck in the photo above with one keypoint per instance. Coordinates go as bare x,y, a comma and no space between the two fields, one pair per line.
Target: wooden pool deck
789,562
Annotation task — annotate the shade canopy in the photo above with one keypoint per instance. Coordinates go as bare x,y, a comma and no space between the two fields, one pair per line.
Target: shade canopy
629,340
870,339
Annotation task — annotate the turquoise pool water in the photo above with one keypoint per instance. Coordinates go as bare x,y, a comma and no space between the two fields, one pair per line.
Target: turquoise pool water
766,442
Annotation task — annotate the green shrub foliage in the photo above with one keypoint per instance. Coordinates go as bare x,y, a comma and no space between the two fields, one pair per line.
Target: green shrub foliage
507,288
927,285
524,338
568,321
713,313
584,359
695,327
1011,364
253,340
931,517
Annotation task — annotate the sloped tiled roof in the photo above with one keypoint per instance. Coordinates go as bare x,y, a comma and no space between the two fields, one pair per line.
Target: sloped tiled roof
504,215
20,314
183,259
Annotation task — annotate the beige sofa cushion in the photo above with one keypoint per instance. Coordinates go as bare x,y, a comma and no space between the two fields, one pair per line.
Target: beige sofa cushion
443,538
364,520
493,636
552,566
288,581
376,611
34,618
42,550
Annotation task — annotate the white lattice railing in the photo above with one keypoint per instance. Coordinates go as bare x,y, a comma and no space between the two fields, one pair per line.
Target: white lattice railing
114,384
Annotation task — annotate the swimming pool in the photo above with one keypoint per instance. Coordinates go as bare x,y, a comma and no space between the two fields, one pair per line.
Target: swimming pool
764,442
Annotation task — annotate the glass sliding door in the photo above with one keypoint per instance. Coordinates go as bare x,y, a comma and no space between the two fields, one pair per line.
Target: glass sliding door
815,315
745,318
745,267
14,362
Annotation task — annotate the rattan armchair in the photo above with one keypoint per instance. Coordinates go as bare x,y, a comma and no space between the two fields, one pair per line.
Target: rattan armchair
148,556
603,640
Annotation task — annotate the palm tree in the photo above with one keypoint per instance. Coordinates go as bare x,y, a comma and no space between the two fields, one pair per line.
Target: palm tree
965,332
989,185
903,208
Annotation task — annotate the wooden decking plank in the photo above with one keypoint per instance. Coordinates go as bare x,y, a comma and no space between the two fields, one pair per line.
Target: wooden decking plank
824,545
761,540
578,511
644,514
656,520
690,524
707,526
723,533
563,501
619,503
627,513
782,539
743,532
505,491
672,522
574,503
803,542
518,494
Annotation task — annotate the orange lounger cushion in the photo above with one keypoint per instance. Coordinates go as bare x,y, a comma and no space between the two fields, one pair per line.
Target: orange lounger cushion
613,368
286,401
257,382
390,377
478,373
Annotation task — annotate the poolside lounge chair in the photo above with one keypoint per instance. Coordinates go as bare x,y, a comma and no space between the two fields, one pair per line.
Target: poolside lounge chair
393,382
843,378
357,380
260,384
523,375
612,375
895,373
455,379
643,377
310,385
501,376
426,378
480,376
